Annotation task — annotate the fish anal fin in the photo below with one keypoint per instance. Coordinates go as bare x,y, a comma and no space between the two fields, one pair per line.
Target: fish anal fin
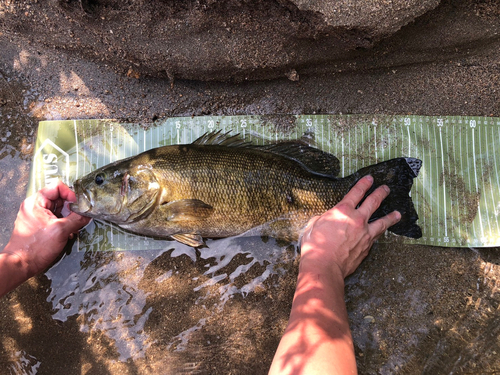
193,240
187,209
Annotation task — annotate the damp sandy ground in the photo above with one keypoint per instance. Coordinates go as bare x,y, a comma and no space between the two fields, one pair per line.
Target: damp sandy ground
413,309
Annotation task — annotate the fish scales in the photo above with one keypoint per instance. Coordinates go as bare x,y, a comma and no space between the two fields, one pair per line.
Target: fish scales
246,187
219,187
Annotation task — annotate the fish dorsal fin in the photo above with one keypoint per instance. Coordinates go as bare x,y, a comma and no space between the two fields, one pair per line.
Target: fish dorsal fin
311,158
217,138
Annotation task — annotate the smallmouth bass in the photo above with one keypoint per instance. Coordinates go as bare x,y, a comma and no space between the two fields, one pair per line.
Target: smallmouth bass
221,186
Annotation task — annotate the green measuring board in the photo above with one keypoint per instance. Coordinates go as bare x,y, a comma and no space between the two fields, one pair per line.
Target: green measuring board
456,194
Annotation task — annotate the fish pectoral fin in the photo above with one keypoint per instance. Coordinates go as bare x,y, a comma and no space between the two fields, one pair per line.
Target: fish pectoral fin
189,239
187,209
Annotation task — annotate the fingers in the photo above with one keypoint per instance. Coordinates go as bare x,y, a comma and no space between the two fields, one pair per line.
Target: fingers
64,228
371,204
60,190
379,226
52,199
358,191
373,201
74,222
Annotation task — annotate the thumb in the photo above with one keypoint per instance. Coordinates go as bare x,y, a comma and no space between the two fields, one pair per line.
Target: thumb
74,222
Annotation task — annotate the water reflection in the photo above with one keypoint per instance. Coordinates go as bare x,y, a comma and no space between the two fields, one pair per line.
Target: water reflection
123,294
25,364
102,289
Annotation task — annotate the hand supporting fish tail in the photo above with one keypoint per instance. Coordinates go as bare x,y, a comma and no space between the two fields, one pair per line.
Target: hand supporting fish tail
343,236
317,339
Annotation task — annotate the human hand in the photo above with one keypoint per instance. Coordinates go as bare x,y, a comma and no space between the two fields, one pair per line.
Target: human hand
341,238
40,232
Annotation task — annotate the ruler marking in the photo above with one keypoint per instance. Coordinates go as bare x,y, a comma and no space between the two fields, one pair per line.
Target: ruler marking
356,143
409,140
164,136
444,182
350,158
77,155
363,136
457,224
469,178
109,149
490,177
437,179
337,148
476,183
329,136
322,135
158,139
402,142
430,179
416,155
495,204
389,138
101,144
343,157
83,152
482,174
422,183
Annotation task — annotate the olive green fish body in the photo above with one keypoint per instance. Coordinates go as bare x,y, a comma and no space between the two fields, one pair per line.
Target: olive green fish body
224,189
245,187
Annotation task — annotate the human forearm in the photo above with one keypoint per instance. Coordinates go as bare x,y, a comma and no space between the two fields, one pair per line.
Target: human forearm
13,270
317,338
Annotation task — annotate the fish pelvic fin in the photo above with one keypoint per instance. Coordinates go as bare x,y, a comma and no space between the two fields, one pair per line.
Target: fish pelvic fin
398,175
193,240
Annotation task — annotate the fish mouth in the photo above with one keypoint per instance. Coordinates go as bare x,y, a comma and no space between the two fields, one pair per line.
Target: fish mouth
84,201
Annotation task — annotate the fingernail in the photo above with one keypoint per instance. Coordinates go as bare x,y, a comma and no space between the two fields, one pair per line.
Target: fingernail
386,188
398,215
369,178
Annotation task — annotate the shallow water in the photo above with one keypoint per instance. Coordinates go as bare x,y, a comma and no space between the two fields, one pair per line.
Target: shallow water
413,309
108,291
223,309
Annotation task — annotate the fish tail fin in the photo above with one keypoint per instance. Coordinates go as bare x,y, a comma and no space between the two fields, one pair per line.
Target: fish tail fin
398,175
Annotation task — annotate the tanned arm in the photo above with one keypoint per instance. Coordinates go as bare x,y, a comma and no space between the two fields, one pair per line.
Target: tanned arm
39,235
317,339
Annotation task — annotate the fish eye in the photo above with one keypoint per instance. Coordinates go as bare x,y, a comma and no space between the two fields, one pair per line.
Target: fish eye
99,179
